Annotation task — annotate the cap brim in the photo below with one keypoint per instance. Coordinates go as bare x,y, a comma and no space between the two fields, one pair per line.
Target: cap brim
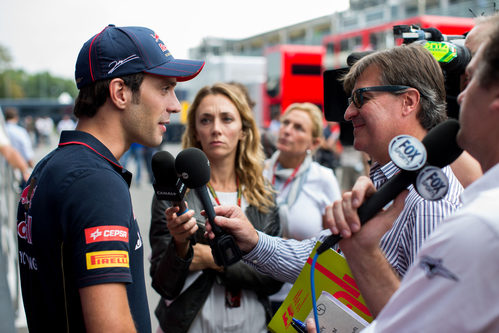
182,70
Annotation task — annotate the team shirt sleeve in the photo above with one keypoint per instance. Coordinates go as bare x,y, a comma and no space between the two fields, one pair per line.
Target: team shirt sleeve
97,214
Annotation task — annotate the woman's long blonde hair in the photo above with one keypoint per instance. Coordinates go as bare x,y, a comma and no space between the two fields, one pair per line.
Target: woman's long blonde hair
249,154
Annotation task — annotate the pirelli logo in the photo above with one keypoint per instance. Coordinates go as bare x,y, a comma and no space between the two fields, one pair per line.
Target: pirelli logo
107,259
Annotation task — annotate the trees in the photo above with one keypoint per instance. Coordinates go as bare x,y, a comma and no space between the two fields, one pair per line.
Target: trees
16,83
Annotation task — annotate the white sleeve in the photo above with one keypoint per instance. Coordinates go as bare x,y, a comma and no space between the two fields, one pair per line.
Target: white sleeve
451,286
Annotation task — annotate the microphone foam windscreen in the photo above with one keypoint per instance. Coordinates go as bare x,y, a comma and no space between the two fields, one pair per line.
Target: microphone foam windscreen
193,167
441,145
163,168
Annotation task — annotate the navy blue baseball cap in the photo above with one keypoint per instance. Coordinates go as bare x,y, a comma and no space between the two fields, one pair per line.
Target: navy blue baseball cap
118,51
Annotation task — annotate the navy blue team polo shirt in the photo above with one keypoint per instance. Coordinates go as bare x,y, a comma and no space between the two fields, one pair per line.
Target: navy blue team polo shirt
76,228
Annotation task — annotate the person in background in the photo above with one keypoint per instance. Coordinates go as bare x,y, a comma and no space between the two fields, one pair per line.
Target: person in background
65,124
197,295
80,248
304,187
466,168
18,135
147,154
29,124
449,286
44,127
270,134
484,26
329,152
11,155
136,153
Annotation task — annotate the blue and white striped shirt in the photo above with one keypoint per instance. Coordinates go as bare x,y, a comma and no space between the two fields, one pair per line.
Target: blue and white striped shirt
283,259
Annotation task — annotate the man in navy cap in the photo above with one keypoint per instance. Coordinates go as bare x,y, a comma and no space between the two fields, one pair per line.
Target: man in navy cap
80,248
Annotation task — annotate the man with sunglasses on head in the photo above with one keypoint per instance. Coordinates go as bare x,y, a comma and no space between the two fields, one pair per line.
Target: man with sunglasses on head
396,91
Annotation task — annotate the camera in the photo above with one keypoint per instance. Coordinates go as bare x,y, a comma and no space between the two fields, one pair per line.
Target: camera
448,50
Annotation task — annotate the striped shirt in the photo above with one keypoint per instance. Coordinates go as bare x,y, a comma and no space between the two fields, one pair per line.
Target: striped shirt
283,259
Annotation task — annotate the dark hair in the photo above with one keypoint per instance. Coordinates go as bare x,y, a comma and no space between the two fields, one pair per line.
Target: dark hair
11,113
91,97
408,65
489,71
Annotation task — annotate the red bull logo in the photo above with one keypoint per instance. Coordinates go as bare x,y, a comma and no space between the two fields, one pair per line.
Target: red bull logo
24,229
27,194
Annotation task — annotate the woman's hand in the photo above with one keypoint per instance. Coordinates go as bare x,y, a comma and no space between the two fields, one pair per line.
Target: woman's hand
203,259
181,228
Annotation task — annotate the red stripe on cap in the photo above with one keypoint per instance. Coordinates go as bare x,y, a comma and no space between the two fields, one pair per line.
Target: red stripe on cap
90,52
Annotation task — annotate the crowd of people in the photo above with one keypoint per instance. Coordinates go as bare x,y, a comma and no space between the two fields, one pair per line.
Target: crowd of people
420,264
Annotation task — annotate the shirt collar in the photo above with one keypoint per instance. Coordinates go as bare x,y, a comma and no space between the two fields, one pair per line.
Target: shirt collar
380,174
489,180
89,141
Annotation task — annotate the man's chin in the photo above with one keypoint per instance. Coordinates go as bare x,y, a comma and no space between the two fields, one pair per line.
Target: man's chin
357,145
460,139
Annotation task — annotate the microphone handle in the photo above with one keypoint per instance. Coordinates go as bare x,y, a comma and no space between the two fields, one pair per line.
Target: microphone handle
376,202
203,196
181,205
183,209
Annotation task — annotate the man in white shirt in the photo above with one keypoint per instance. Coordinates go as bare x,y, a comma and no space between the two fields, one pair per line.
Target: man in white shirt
11,155
18,135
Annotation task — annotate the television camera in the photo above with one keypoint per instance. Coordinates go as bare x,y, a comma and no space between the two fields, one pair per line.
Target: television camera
448,50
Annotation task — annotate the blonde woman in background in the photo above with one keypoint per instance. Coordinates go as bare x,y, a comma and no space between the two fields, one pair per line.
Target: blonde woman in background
304,187
197,295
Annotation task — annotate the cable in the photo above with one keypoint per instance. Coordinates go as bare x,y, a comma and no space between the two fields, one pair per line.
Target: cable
312,288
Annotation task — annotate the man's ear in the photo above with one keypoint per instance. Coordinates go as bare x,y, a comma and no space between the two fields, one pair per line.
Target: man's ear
119,93
411,101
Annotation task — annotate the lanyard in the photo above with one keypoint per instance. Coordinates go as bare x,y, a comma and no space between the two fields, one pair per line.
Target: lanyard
215,196
290,178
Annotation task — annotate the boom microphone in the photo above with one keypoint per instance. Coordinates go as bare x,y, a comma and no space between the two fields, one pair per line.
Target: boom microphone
167,186
193,168
441,148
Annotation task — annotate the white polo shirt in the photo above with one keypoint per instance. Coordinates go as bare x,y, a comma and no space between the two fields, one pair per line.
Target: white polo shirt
452,286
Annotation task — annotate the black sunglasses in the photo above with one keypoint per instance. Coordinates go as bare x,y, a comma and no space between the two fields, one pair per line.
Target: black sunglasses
358,99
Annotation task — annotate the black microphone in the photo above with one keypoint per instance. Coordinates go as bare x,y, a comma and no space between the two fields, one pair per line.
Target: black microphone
167,186
193,167
441,148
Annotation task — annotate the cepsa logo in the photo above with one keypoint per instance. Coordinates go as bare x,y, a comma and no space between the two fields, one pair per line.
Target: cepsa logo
107,259
106,233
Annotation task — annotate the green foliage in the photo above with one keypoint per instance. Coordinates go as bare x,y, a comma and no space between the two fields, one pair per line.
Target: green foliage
16,83
19,84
